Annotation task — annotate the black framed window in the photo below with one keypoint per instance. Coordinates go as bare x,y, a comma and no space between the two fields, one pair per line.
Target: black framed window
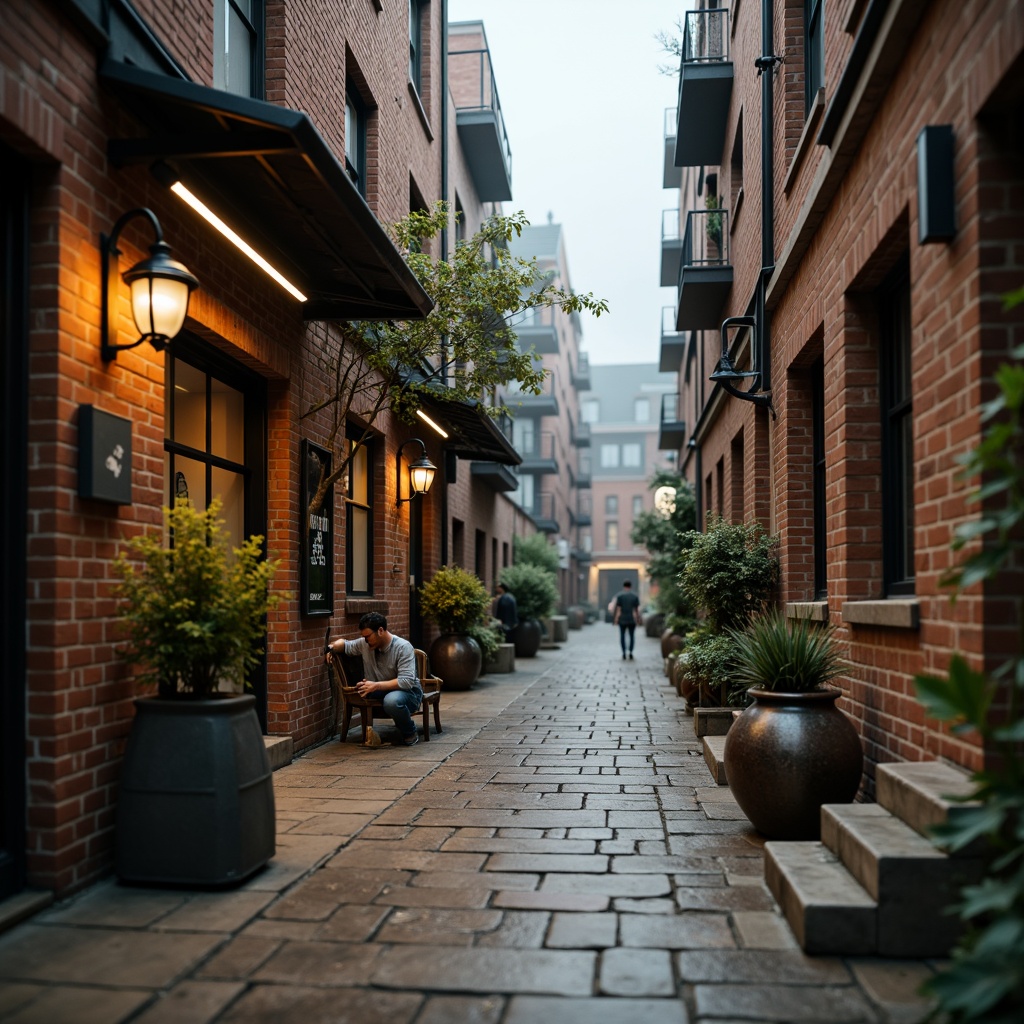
818,479
416,10
814,50
611,504
355,137
359,519
238,46
897,435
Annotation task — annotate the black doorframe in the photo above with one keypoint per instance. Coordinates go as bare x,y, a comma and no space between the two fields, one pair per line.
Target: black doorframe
14,272
207,359
415,570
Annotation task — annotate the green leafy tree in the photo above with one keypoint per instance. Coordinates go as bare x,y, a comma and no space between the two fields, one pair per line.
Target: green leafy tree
193,611
459,352
986,979
665,538
535,550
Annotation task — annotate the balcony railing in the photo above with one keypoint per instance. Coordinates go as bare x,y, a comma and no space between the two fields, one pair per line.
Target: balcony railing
538,452
583,475
671,429
581,372
673,342
671,248
705,88
537,329
584,510
544,512
706,36
705,273
580,434
480,123
670,175
544,404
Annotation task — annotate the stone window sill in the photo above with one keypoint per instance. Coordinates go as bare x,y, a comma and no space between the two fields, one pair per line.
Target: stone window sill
896,614
418,104
813,611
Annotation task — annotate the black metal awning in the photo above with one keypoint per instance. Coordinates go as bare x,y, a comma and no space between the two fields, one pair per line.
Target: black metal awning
472,434
267,172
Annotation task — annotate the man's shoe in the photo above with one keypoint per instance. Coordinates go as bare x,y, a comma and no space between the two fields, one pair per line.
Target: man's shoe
630,655
623,657
409,741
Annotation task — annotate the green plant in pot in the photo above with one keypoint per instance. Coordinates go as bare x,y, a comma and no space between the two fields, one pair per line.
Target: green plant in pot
456,601
792,749
196,800
536,596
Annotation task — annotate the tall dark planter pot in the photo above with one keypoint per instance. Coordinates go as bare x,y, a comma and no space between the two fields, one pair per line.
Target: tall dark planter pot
196,801
670,641
457,659
527,638
788,754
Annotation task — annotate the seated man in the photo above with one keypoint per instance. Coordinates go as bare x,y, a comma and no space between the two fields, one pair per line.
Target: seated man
389,672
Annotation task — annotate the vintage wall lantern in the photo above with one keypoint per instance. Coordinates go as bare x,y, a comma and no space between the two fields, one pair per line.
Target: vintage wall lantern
421,472
160,287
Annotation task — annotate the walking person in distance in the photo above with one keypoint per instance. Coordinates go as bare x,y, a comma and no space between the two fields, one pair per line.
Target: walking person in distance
627,617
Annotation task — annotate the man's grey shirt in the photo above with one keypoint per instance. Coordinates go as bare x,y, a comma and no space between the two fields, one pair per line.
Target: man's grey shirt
396,661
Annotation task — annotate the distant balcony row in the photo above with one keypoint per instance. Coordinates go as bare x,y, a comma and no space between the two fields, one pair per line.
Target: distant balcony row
538,452
705,90
671,429
698,264
529,404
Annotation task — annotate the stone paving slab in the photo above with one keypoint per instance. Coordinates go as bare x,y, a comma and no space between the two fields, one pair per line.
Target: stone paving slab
560,854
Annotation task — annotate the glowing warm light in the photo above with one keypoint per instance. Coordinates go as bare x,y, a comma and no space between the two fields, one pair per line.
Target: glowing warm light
207,214
426,419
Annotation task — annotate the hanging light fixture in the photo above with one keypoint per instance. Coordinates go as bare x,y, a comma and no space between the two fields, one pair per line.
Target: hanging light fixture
421,472
160,288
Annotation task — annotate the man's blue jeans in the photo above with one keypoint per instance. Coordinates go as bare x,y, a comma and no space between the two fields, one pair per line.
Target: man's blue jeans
623,628
400,706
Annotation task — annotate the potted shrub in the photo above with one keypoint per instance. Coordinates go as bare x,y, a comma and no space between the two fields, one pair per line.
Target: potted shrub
456,601
489,635
792,750
196,800
536,596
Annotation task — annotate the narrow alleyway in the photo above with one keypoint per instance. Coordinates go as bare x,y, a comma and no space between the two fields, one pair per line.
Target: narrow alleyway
559,854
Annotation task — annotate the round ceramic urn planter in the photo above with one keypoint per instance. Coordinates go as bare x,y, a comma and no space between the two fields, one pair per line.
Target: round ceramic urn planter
788,754
196,800
670,641
527,638
457,659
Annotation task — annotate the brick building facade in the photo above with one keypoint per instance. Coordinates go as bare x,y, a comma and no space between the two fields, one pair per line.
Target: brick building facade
306,127
877,177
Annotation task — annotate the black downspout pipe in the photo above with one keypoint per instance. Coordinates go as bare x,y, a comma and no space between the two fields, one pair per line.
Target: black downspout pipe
444,254
766,67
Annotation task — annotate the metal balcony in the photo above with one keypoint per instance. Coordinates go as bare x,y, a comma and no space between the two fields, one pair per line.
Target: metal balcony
671,248
671,176
705,89
544,404
581,372
538,329
671,429
584,510
538,452
583,476
543,513
496,475
480,123
579,434
673,343
705,274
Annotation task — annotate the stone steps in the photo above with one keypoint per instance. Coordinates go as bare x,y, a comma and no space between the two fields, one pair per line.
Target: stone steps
875,885
714,756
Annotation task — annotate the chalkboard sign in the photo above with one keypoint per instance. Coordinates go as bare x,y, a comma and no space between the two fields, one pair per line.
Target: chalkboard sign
317,561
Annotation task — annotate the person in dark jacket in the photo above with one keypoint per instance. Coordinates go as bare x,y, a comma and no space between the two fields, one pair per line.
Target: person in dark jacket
506,611
627,617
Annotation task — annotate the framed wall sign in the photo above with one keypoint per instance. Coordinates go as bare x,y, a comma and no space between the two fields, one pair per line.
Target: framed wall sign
104,456
316,575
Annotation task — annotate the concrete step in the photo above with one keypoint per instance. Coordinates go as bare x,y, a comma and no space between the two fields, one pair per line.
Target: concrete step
713,721
911,881
280,750
714,755
917,792
829,912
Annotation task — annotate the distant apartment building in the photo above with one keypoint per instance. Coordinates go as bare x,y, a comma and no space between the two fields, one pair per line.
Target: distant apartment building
621,411
849,180
553,477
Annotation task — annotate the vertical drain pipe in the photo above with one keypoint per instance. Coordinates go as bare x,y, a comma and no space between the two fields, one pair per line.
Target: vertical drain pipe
766,65
444,256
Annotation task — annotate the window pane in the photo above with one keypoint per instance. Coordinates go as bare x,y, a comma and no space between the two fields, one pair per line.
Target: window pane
227,422
239,56
230,488
359,476
611,504
187,480
638,504
631,454
612,536
590,410
359,563
189,420
609,456
642,410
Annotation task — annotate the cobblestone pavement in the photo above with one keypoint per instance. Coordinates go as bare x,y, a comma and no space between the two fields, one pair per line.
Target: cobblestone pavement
559,854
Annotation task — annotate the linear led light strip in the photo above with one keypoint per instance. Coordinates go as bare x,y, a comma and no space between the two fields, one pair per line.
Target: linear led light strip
207,214
426,419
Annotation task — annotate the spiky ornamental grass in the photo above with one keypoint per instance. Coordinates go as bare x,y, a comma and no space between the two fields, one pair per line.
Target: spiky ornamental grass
773,654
